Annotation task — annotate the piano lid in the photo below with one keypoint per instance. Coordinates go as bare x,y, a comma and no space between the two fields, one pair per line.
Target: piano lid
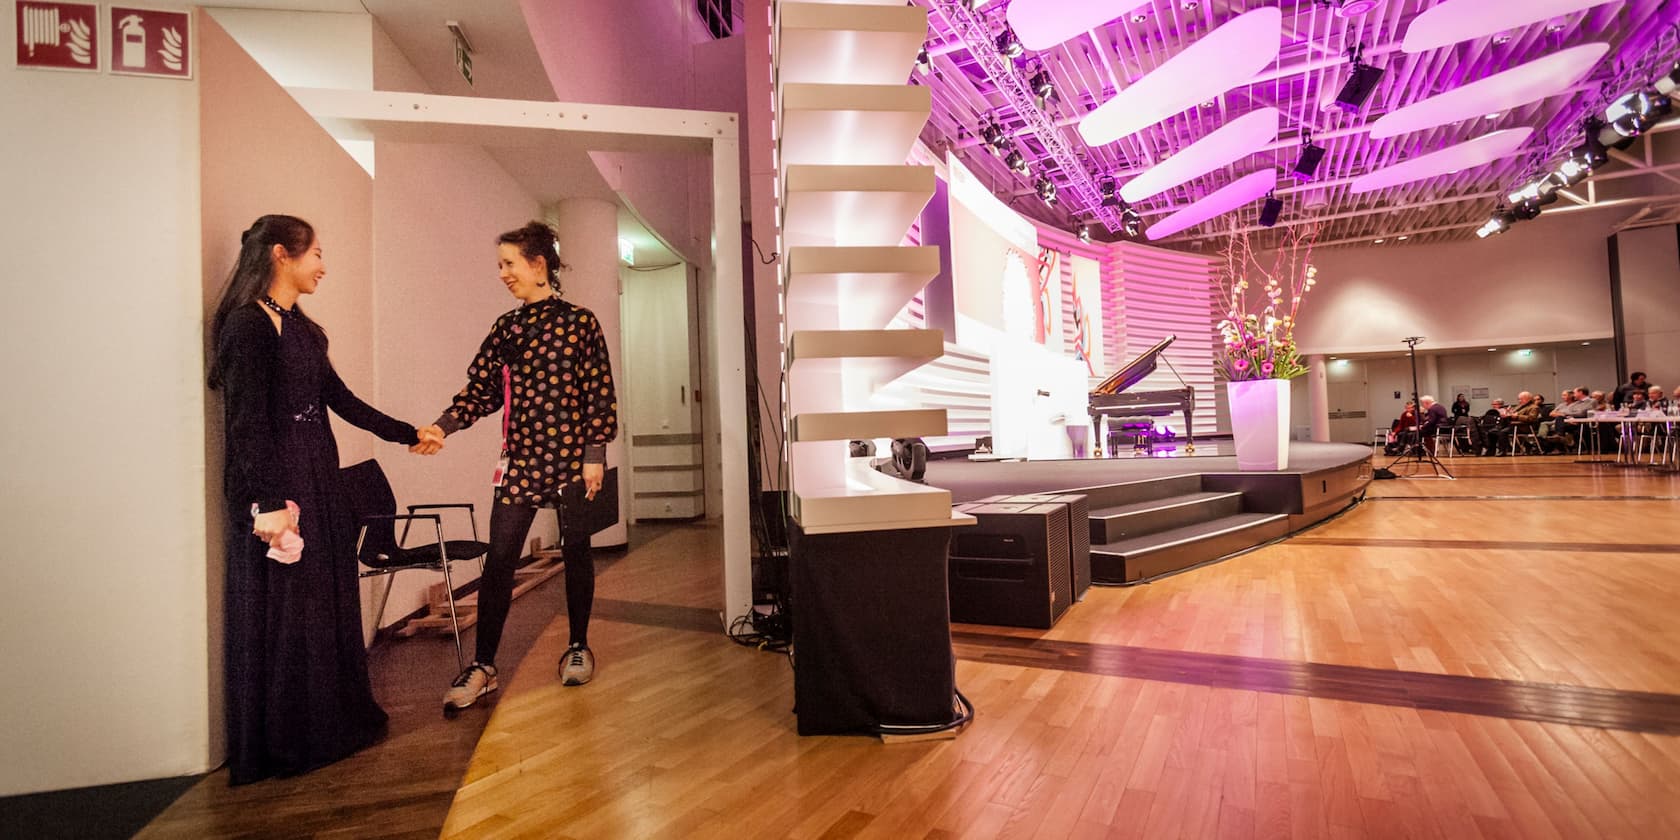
1135,370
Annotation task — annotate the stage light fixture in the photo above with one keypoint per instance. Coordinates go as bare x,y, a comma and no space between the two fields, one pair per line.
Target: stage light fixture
1016,161
924,62
1361,83
1083,231
1634,114
1311,155
1525,211
1008,45
1354,8
1043,88
1670,82
1592,151
1110,198
1046,189
1270,210
1499,223
1130,220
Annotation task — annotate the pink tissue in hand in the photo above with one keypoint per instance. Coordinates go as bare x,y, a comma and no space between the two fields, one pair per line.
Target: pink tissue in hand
288,547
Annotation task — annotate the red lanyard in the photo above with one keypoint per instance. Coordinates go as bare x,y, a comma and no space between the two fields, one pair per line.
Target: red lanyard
507,404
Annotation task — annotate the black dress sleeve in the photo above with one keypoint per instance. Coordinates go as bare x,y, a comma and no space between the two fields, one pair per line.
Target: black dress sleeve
346,404
482,394
249,350
600,398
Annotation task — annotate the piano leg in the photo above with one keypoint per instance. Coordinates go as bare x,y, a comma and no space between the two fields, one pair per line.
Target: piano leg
1189,433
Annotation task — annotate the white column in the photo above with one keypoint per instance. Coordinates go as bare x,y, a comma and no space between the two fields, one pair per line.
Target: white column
728,358
1429,379
588,231
1318,397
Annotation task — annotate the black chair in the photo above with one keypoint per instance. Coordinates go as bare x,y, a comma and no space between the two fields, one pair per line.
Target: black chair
384,553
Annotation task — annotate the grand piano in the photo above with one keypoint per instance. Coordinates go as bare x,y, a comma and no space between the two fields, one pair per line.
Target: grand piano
1111,399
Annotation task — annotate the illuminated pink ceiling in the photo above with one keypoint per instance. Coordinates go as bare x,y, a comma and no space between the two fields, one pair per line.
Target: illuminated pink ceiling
1228,144
1244,190
1042,24
1208,67
1115,60
1453,21
1449,161
1517,86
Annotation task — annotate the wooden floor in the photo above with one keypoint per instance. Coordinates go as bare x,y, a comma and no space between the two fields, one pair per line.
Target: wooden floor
1488,657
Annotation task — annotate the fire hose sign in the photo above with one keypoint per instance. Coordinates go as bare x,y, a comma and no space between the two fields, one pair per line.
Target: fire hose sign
149,42
58,36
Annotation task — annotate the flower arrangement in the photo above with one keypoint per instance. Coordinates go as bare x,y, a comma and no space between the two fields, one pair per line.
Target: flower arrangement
1261,302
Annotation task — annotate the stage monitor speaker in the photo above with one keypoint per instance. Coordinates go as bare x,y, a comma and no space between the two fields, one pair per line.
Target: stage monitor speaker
1012,566
1362,80
1079,534
1270,210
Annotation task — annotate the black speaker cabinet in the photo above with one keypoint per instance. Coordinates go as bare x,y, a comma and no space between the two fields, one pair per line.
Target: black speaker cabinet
871,630
1079,534
1011,567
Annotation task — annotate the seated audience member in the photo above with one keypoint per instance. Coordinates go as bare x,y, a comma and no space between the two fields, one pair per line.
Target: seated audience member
1624,392
1525,417
1599,402
1460,407
1636,401
1657,400
1577,403
1434,417
1403,432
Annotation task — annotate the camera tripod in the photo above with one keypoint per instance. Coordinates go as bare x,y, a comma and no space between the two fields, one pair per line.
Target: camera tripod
1417,454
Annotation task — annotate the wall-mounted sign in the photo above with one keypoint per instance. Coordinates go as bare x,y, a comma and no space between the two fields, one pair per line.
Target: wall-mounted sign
57,36
626,251
150,42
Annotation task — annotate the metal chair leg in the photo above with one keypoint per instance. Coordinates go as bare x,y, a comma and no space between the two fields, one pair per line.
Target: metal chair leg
449,594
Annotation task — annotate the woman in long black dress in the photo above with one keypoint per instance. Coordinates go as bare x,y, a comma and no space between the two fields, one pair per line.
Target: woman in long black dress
298,695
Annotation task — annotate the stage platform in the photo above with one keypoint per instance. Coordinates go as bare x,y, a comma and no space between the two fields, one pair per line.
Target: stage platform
1153,515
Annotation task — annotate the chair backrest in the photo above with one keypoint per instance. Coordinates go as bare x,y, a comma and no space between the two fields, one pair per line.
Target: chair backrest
369,494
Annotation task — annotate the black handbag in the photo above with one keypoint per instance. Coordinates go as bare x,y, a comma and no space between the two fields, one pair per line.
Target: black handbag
592,515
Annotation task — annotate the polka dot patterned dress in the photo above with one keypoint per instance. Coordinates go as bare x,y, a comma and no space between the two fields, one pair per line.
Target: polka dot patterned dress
562,409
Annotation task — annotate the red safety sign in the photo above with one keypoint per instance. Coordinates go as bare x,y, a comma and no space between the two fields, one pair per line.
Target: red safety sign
150,42
59,36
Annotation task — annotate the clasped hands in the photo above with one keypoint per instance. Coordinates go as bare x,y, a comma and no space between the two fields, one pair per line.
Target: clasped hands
431,440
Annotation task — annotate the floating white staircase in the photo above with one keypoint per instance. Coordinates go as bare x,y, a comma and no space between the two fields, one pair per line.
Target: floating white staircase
845,124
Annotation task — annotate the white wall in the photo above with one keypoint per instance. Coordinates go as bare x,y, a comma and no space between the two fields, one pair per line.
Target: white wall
437,210
1545,280
104,443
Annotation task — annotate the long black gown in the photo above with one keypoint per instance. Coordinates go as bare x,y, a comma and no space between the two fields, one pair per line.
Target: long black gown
298,695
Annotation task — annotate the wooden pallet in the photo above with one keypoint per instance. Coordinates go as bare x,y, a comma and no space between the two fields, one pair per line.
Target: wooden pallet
544,564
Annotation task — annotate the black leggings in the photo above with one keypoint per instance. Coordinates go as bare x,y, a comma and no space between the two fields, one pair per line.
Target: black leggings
509,525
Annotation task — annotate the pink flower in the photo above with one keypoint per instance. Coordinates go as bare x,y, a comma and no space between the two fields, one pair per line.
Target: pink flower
1266,369
1240,364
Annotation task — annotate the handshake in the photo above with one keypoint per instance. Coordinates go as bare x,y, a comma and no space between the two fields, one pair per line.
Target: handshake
431,440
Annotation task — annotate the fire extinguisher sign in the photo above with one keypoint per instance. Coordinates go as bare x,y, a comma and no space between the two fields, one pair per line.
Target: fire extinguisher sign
58,36
150,42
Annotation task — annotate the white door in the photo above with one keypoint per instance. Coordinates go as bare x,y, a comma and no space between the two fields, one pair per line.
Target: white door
661,422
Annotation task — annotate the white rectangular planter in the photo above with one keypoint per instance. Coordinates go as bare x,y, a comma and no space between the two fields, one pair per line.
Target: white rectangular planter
1260,423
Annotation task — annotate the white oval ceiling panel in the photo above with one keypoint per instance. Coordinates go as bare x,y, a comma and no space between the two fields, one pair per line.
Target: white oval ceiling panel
1515,87
1224,200
1478,152
1461,20
1042,24
1227,57
1230,143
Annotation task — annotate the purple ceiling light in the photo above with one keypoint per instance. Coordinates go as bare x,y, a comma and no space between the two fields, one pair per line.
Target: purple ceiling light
1042,24
1232,142
1224,200
1461,20
1226,58
1355,8
1518,86
1478,152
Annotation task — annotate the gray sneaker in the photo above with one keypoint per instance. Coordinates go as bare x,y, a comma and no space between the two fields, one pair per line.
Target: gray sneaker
475,682
577,666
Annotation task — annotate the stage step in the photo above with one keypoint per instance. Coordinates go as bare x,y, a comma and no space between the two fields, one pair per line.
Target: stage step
1132,492
1154,554
1113,524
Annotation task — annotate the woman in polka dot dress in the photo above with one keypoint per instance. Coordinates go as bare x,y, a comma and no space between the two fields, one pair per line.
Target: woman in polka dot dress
546,364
